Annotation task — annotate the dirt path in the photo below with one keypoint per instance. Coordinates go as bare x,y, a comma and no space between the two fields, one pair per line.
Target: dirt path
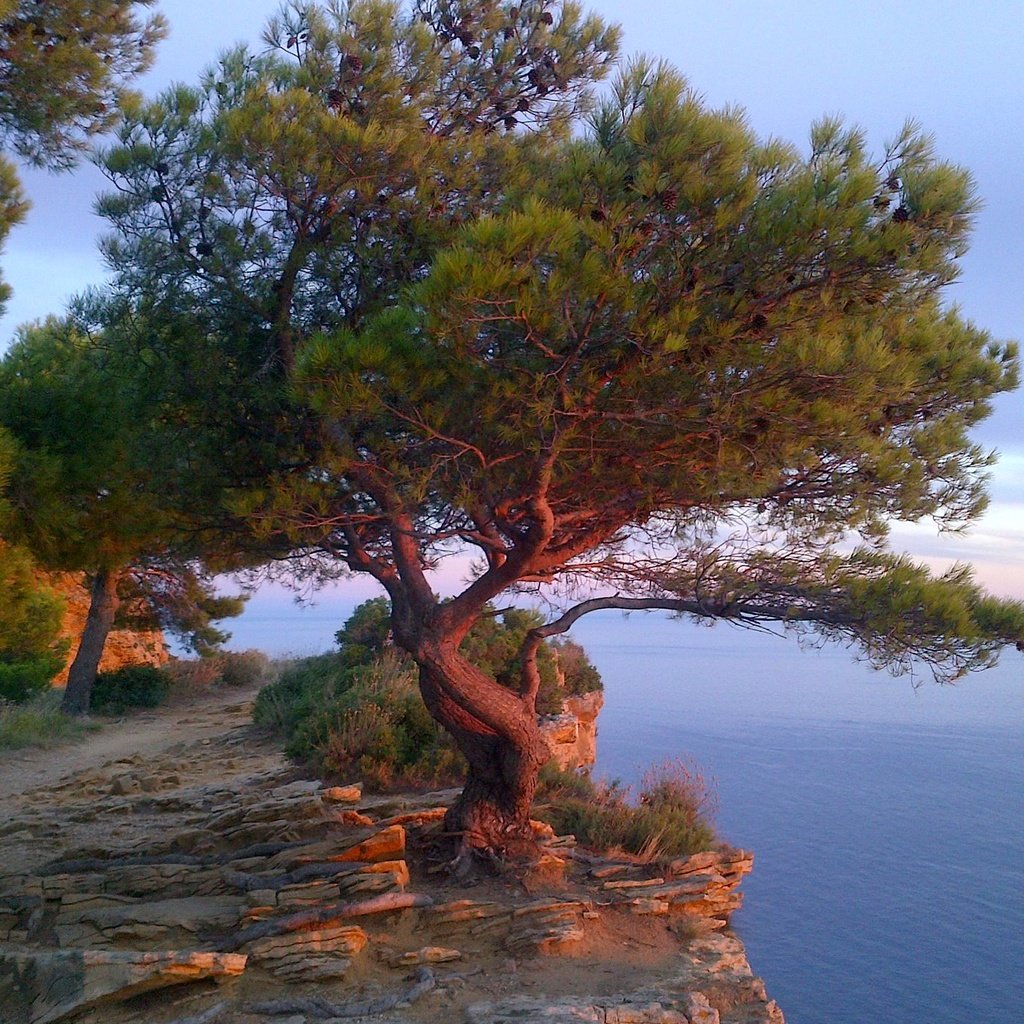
181,720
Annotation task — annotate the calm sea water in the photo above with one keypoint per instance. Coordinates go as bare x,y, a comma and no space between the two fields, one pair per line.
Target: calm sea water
887,821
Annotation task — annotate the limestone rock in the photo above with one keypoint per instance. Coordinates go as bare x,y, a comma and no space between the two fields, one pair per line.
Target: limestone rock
342,794
699,1011
134,921
426,955
464,913
584,1010
40,988
647,907
311,955
572,735
545,927
123,646
386,845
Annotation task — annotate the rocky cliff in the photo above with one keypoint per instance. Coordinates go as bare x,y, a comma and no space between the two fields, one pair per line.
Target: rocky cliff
123,647
572,735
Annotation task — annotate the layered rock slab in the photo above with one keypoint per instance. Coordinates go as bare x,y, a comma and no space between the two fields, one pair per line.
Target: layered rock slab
44,987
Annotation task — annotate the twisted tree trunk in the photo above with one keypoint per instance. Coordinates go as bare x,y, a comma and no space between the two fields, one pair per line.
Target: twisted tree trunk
497,732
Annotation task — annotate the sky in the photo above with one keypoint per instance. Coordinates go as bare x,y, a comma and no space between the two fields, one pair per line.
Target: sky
957,68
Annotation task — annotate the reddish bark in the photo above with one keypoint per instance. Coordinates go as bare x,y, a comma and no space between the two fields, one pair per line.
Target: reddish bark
497,732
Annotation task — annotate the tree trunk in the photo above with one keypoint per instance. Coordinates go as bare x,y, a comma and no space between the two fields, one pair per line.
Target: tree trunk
103,603
497,732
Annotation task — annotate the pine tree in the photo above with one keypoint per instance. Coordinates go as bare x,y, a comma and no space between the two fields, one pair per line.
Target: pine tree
87,492
628,354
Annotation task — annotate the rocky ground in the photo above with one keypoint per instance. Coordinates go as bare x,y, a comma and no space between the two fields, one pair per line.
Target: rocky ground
175,869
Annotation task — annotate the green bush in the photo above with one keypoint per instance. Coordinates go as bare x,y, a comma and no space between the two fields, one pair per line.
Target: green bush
20,680
670,818
31,650
134,686
302,688
39,722
578,672
376,726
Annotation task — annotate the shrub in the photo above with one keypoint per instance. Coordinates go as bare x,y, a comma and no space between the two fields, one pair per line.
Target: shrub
376,726
22,679
301,689
242,668
39,722
191,675
134,686
579,675
680,789
31,650
671,817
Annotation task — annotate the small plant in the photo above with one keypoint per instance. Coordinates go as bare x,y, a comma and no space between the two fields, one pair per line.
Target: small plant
680,789
670,818
39,723
134,686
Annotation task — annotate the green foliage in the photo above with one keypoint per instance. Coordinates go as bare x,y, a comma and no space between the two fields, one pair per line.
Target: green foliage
39,723
64,68
366,632
21,680
301,688
578,673
359,711
670,818
179,599
87,489
134,686
378,729
31,651
366,719
83,494
494,644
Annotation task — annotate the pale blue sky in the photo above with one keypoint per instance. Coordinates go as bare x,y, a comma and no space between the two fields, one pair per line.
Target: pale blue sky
956,67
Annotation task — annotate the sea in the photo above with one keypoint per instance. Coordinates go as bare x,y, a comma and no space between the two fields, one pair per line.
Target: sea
886,814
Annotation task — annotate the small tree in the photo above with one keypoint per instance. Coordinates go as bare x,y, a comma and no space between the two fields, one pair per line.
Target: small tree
88,494
636,359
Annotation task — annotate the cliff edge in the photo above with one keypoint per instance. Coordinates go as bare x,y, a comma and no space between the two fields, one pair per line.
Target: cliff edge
187,848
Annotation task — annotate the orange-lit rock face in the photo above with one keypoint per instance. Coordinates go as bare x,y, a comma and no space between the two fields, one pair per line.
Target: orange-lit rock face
572,735
123,647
